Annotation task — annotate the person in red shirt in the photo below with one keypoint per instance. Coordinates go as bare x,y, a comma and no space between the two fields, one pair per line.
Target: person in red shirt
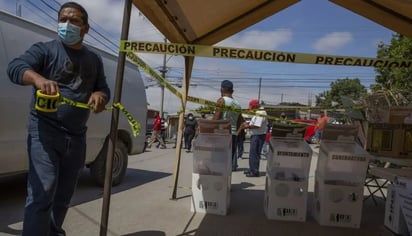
157,129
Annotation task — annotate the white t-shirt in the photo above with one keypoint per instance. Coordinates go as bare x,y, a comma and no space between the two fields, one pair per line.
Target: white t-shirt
258,121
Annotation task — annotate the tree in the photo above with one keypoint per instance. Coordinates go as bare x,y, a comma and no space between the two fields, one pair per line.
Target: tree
395,79
351,88
205,109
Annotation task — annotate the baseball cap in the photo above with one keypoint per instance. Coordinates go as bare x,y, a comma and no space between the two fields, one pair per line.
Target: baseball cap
227,84
253,103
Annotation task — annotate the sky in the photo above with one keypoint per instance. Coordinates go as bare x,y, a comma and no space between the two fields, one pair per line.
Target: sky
309,26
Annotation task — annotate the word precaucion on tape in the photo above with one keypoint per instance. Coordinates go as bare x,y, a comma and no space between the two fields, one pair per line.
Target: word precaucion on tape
194,50
260,55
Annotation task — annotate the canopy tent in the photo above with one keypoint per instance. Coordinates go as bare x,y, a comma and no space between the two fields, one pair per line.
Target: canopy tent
207,22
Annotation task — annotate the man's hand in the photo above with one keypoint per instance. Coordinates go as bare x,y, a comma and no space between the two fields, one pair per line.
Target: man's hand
98,101
48,87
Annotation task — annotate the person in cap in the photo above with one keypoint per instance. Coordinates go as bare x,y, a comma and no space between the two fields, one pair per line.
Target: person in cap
156,132
229,109
257,129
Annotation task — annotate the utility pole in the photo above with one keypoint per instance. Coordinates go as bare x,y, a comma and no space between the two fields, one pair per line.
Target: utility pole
162,87
260,85
18,8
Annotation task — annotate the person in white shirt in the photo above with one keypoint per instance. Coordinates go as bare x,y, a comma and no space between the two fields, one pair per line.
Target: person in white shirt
257,128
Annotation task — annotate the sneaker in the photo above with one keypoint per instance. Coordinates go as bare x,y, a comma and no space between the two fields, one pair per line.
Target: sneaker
188,151
163,147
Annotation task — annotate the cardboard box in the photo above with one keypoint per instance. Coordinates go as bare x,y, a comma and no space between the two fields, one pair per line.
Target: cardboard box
394,219
285,200
210,194
391,140
337,205
393,136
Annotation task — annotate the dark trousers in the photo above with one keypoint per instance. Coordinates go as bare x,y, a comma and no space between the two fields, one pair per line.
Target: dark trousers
234,157
240,148
55,161
188,140
256,144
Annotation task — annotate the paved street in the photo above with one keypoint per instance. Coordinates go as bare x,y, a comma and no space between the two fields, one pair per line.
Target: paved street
141,206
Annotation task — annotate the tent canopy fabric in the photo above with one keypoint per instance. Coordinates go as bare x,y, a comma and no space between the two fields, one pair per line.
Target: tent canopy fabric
206,22
210,21
393,14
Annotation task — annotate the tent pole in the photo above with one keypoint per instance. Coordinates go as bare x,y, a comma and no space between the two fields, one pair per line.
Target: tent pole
114,122
186,82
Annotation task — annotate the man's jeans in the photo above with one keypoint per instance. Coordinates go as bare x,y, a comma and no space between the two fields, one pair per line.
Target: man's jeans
240,145
256,144
55,160
234,157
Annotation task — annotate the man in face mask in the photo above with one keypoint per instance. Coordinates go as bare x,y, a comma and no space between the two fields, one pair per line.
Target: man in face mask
57,140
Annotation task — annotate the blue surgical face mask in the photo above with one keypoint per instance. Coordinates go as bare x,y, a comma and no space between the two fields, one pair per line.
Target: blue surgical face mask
69,33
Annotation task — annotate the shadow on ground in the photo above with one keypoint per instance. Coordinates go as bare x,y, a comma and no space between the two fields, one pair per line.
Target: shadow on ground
13,194
246,218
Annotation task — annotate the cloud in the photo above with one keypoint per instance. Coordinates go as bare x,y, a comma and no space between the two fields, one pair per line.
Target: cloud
333,42
257,39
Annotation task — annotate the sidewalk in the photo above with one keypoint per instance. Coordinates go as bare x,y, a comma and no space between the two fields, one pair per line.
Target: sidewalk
141,206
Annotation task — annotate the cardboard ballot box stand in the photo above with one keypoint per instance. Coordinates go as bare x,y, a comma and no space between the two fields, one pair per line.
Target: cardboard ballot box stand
398,209
212,169
286,187
339,178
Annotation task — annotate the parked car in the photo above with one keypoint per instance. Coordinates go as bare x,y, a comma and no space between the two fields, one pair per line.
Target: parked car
17,35
310,131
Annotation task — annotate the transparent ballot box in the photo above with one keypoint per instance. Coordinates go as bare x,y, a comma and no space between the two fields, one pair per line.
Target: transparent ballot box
289,159
214,126
342,160
212,154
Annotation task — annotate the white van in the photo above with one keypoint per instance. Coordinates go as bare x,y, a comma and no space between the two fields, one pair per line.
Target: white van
16,36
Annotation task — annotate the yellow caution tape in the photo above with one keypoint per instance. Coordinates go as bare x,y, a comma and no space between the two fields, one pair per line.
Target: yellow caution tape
259,55
132,122
136,60
50,103
162,81
46,103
